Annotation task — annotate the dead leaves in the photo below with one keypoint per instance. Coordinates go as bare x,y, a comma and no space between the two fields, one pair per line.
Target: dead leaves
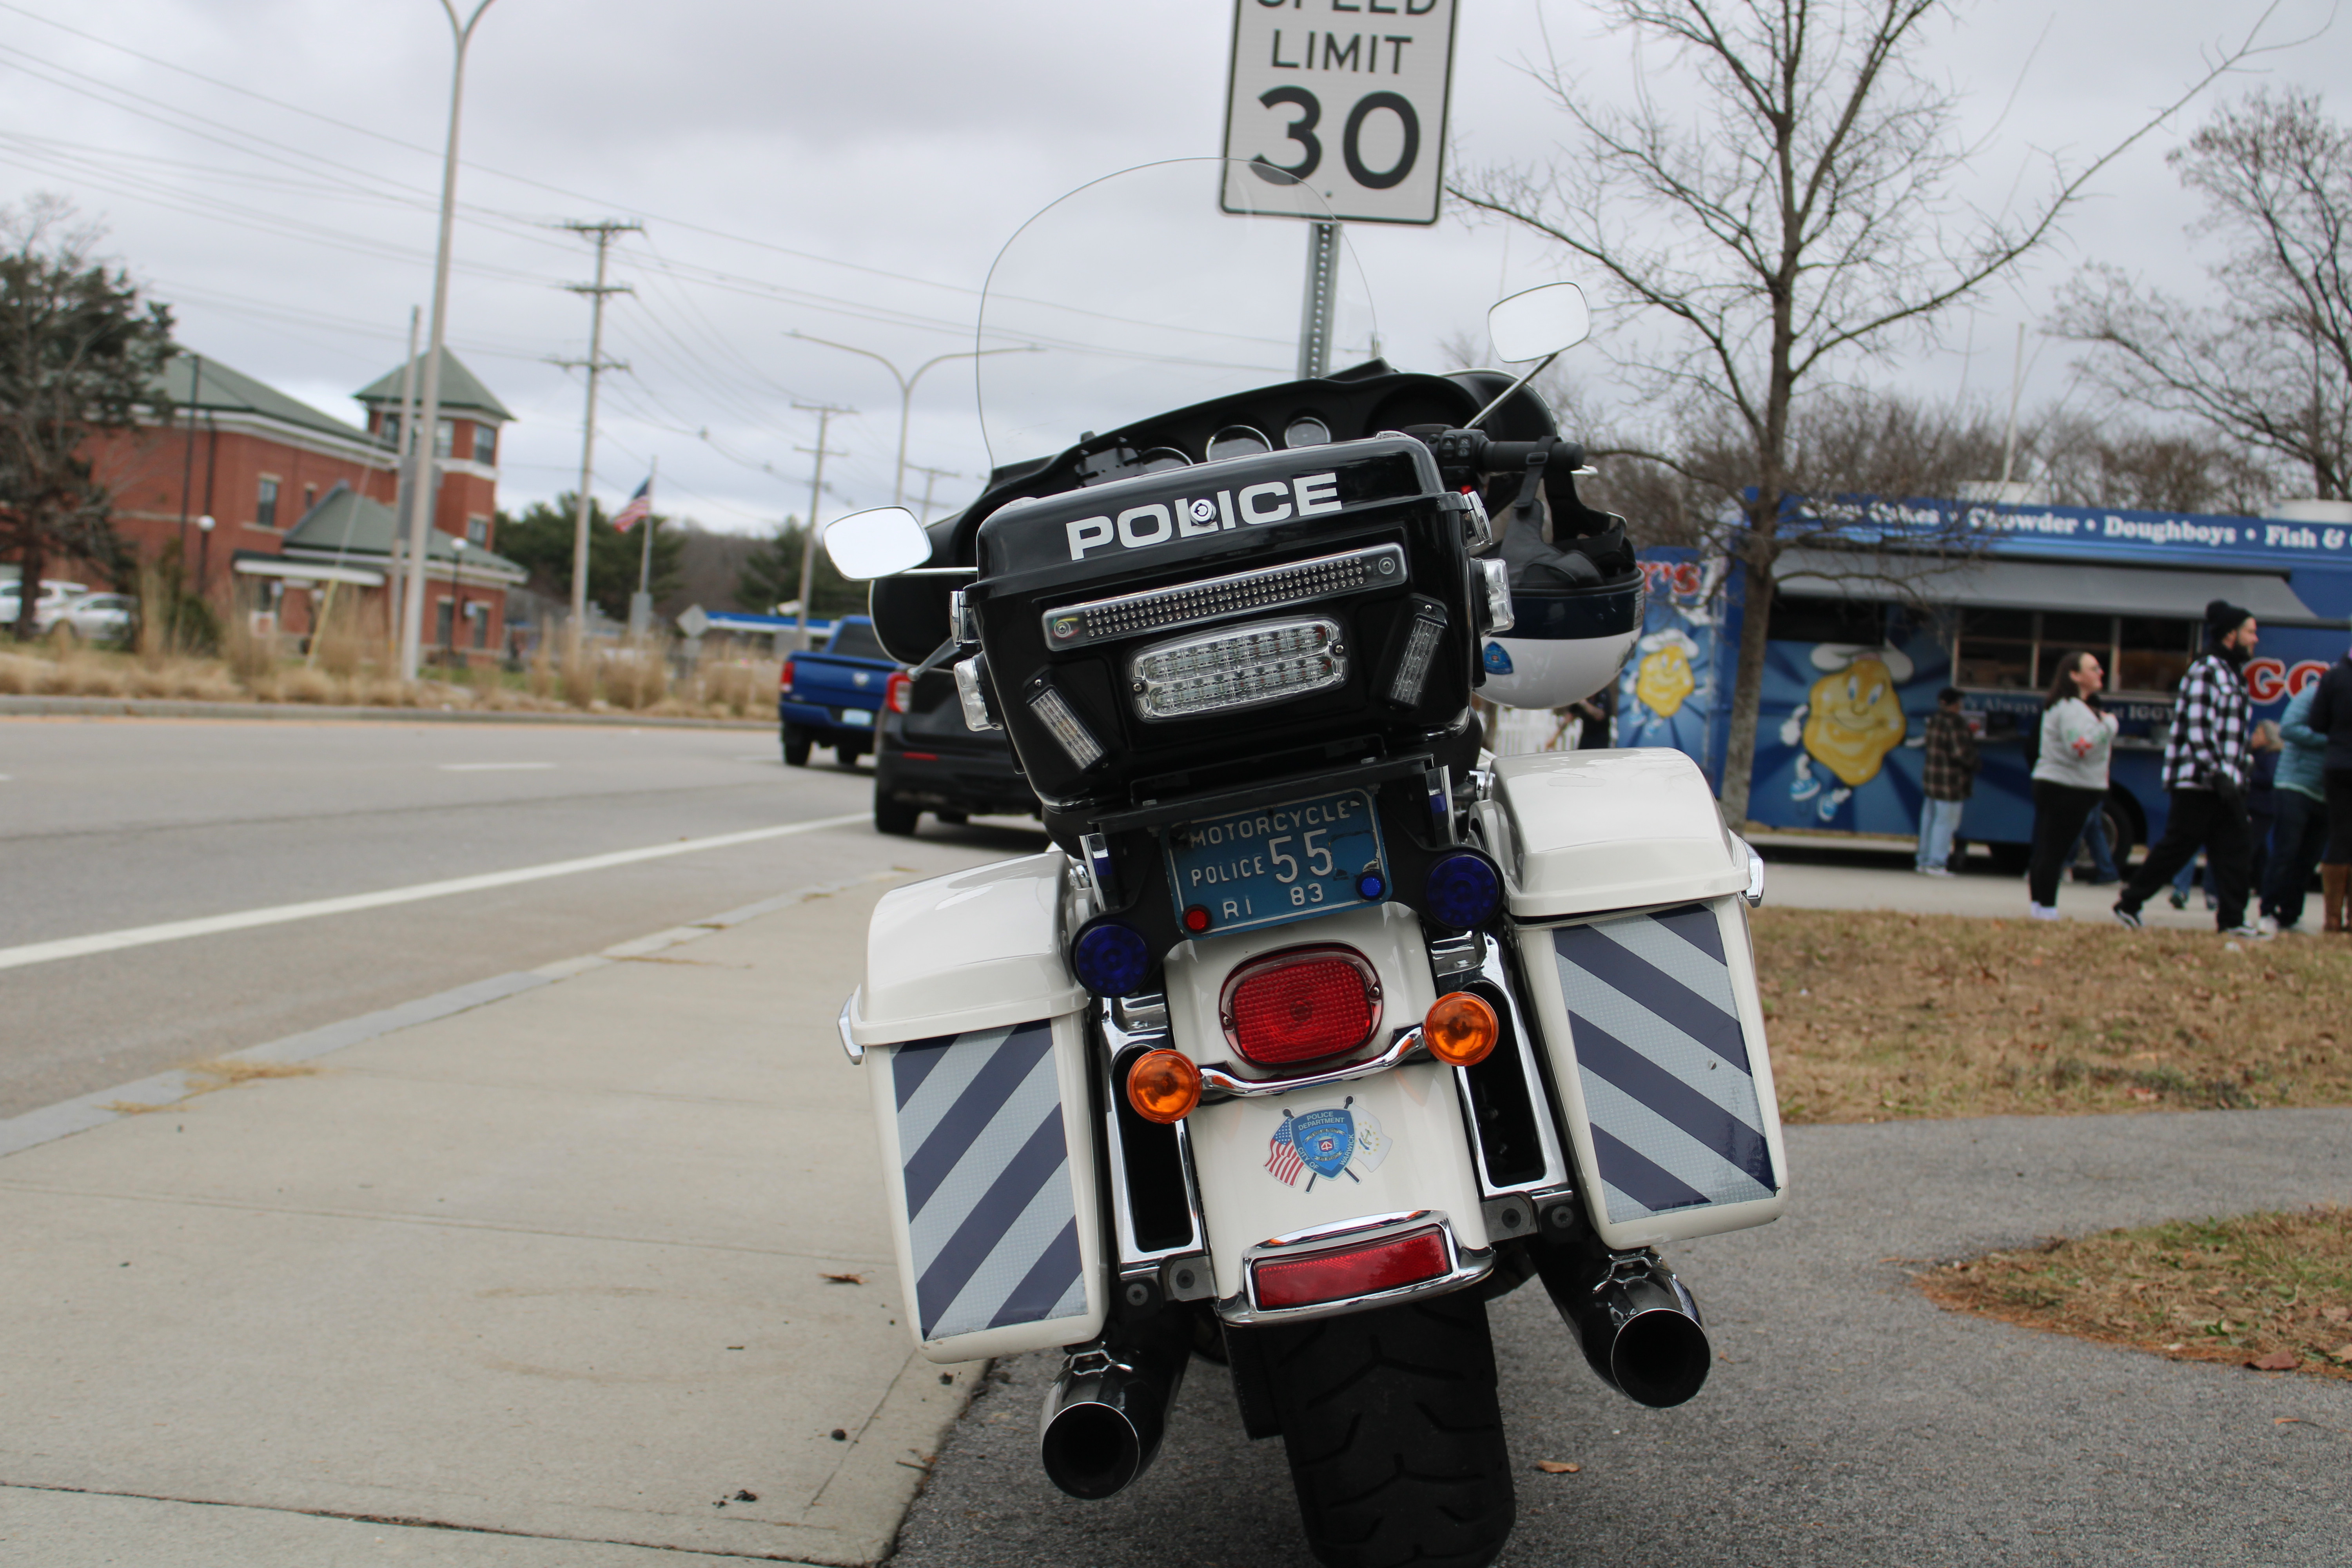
1556,1466
843,1279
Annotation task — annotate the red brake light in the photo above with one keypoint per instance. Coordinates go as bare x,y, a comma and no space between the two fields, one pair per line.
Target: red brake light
1352,1271
898,692
1299,1004
785,675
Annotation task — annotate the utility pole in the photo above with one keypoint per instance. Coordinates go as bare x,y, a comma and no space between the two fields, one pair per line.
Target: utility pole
594,363
930,477
411,619
824,412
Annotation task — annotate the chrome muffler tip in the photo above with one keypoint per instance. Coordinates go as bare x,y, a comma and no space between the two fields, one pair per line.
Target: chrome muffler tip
1638,1325
1108,1409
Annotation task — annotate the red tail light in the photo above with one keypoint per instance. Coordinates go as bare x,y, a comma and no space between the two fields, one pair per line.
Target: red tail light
1301,1003
1352,1271
784,677
898,691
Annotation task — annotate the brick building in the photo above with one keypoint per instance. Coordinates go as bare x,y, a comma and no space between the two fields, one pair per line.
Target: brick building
301,499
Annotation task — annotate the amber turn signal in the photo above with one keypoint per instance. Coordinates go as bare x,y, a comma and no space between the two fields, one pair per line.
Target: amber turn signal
1165,1085
1460,1030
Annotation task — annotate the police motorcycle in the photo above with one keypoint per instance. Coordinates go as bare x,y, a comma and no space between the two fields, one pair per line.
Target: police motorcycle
1318,1027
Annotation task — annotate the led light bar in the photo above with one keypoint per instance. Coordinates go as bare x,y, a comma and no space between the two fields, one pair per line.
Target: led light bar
1217,672
1420,648
1219,598
1064,724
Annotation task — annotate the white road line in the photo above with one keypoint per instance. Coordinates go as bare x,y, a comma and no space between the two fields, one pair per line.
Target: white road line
490,767
142,936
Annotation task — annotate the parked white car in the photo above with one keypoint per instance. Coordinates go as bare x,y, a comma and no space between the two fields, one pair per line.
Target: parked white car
55,593
93,618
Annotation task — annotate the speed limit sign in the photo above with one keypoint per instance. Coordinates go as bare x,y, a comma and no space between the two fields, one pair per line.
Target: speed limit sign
1346,96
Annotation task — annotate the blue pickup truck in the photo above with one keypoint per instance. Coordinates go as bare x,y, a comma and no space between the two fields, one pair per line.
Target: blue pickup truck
829,698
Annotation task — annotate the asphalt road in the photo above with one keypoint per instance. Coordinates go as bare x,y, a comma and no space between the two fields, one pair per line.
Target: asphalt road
112,824
1850,1422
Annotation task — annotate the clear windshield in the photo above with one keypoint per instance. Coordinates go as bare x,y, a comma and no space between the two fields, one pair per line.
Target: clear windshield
1136,293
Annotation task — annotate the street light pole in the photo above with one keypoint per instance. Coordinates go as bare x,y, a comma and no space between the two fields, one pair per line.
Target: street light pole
456,600
907,391
412,625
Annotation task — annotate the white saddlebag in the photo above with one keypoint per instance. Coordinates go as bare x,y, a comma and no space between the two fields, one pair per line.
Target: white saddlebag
1624,891
974,1037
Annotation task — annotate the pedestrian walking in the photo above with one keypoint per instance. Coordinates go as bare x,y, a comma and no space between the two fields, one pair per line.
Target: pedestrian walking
2207,767
2070,777
1949,777
2262,804
2331,718
2102,858
2301,831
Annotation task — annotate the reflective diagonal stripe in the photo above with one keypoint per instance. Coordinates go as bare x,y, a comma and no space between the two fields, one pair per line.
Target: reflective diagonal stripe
996,1074
1704,1122
1635,1188
1703,1018
1662,1059
992,1212
1594,1004
1658,1140
931,1076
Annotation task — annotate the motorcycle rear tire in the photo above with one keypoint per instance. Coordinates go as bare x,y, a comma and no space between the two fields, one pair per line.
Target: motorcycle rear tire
1394,1435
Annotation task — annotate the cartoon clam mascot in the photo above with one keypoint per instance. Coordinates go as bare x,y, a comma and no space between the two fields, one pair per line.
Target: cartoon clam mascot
1663,677
1848,722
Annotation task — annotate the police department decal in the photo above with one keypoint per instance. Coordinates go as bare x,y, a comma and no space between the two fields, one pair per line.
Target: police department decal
1324,1145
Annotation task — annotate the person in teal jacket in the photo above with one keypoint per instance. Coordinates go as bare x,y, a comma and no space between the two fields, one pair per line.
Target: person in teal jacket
2301,831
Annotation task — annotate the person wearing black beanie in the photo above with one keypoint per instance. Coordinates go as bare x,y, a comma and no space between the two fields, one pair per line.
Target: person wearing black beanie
2207,765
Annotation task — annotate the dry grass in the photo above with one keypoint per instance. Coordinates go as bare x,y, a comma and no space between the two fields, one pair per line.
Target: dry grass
1877,1016
2273,1291
344,673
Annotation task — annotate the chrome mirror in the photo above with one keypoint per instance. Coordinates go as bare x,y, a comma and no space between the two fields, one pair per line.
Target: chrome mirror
1538,321
878,544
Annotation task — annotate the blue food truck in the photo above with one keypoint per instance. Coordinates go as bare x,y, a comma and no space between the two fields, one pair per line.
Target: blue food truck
1860,643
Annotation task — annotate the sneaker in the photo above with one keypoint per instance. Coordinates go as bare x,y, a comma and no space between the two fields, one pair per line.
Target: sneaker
2178,899
2269,925
2127,916
2043,912
2246,933
1935,870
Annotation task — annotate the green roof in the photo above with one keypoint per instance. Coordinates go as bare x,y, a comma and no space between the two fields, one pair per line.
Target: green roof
221,390
461,390
348,522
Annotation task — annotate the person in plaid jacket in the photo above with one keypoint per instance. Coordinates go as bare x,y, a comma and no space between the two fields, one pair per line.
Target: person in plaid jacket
2207,767
1948,776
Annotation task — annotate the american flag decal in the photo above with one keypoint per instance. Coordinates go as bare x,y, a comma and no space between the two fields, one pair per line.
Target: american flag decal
1282,1159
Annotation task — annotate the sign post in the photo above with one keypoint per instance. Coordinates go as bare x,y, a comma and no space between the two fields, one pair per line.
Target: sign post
1356,116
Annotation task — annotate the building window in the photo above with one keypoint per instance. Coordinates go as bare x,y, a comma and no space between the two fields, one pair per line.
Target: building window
485,444
445,438
387,429
444,613
309,499
480,615
477,530
264,514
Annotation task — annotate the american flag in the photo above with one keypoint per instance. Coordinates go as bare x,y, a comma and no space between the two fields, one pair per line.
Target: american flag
1282,1156
641,506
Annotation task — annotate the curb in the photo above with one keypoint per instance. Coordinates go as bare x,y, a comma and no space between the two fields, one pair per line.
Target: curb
80,1114
180,708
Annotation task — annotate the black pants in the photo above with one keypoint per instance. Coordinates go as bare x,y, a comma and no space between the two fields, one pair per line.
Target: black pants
2059,813
2296,839
2200,820
2339,818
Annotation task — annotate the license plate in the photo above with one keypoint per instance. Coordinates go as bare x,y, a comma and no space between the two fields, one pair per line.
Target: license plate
1272,864
857,718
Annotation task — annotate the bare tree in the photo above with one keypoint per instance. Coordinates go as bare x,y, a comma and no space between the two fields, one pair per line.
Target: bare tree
2088,460
76,351
1808,224
2270,365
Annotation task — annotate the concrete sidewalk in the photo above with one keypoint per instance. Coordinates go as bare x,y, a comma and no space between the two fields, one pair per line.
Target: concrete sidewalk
593,1274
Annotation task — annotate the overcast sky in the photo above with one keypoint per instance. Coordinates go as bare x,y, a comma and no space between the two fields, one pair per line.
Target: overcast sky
848,171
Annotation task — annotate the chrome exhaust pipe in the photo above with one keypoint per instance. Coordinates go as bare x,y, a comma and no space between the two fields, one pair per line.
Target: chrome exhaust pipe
1638,1325
1108,1409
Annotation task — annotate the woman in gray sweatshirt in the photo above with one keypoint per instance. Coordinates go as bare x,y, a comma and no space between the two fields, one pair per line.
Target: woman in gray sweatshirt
2070,776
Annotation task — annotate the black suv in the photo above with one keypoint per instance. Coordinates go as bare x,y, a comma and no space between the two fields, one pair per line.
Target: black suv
926,759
